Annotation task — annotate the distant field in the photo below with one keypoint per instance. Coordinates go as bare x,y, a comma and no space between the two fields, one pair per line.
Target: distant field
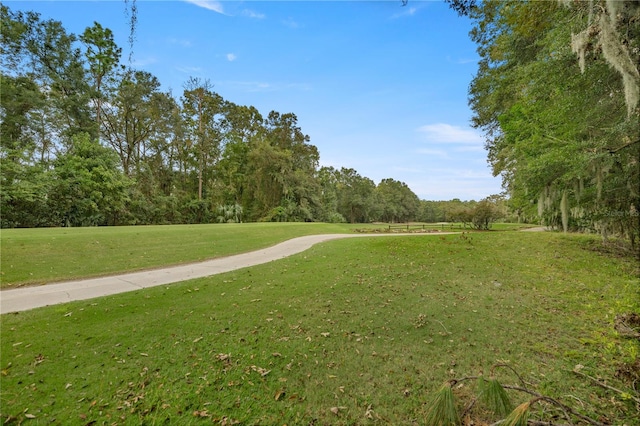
39,256
350,332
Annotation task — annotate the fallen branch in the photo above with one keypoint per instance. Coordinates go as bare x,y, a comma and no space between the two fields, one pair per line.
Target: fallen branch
524,384
604,385
563,407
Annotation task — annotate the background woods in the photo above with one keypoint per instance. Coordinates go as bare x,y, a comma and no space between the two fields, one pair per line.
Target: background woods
557,95
89,141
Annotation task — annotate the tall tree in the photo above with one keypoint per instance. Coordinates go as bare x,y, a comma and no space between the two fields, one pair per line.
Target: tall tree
299,186
269,181
356,196
397,201
21,97
128,119
203,113
59,67
560,136
103,55
43,52
328,208
244,126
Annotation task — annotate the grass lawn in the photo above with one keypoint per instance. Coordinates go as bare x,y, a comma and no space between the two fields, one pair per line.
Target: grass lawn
350,332
37,256
45,255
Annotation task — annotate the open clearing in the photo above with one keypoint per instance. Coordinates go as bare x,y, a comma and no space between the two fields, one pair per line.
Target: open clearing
353,331
25,298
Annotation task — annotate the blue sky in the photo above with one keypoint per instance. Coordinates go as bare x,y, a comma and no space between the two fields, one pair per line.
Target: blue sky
379,87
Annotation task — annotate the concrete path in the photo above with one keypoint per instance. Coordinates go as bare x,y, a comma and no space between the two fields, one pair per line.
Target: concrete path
25,298
536,229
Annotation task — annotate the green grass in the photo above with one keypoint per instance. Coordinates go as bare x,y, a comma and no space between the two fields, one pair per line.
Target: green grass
37,256
45,255
355,331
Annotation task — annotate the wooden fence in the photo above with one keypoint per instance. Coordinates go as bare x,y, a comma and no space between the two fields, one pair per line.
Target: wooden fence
427,226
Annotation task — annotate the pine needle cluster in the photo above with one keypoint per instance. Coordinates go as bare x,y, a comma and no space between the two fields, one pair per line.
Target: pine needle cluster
443,411
494,397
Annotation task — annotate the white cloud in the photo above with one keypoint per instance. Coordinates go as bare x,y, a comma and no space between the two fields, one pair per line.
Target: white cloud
408,170
249,86
189,70
252,14
141,62
461,60
231,57
406,11
260,86
289,22
446,133
216,6
463,189
449,183
469,148
179,42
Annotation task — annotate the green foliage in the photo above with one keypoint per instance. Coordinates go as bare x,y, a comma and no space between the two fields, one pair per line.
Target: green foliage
431,211
88,189
184,157
396,201
356,196
556,133
336,217
21,99
102,55
484,214
230,213
23,192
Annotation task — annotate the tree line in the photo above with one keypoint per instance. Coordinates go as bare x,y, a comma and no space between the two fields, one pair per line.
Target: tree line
557,95
89,141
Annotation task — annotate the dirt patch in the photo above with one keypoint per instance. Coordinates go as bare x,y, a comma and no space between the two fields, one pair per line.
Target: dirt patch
630,373
628,325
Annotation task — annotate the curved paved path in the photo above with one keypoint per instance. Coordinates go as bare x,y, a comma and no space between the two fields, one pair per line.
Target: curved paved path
22,299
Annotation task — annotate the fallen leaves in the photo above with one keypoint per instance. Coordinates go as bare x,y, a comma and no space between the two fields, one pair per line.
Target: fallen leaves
201,413
336,410
279,394
370,414
226,421
262,371
39,359
223,357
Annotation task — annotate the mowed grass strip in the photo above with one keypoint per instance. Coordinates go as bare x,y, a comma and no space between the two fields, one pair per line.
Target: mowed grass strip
356,331
37,256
